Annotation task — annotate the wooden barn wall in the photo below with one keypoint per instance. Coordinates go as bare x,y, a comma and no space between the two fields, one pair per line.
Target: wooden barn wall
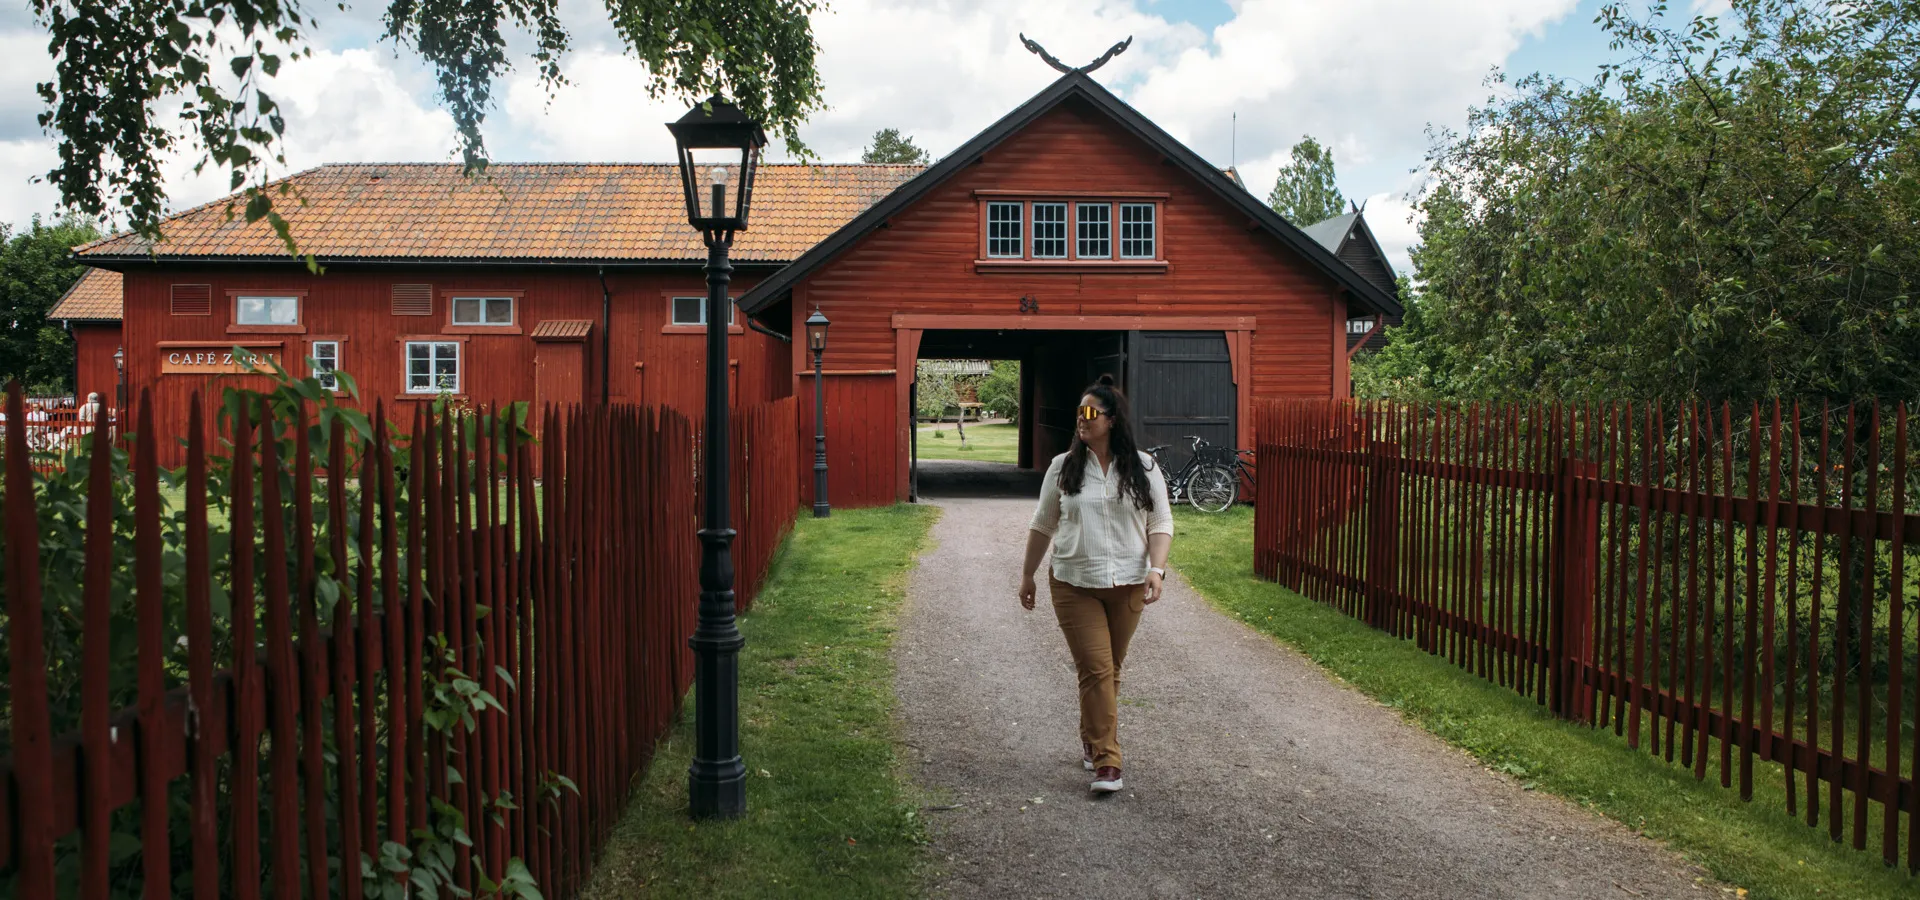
860,417
652,362
922,261
93,346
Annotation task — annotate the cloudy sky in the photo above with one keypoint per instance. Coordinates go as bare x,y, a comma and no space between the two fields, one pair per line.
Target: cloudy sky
1365,76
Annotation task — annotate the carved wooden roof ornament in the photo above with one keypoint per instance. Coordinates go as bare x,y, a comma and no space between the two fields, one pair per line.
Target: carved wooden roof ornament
1051,60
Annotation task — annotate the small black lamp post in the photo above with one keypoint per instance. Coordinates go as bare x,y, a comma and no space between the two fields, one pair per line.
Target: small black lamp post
120,378
817,342
719,149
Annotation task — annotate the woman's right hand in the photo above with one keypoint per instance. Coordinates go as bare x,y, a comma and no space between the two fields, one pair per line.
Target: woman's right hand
1027,590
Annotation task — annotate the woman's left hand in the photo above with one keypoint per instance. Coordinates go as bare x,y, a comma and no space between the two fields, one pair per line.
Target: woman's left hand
1153,587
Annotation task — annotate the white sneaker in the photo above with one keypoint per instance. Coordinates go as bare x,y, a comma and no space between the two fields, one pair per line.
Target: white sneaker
1106,780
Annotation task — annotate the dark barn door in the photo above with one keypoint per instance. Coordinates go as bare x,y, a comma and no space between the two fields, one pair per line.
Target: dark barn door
1181,383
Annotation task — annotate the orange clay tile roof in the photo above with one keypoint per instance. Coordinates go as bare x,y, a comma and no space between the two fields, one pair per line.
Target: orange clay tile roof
95,296
535,211
562,329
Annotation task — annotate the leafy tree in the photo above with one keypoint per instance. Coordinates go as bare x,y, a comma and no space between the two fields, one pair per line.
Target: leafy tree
890,146
1305,192
999,389
1731,212
118,65
36,268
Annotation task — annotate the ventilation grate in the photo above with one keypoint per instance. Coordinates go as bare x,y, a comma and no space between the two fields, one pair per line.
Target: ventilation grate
413,299
192,300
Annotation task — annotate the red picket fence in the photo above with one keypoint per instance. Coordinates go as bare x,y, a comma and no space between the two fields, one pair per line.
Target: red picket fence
765,490
1730,587
426,639
51,433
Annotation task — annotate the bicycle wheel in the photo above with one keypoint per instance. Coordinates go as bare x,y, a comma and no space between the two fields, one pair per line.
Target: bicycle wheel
1212,489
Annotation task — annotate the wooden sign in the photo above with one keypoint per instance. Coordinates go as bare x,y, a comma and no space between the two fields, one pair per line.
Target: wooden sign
211,359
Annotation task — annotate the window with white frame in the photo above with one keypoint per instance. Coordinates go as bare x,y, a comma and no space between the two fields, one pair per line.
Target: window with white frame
1003,229
1136,231
1049,231
324,357
1094,231
483,310
1359,326
266,310
433,366
693,311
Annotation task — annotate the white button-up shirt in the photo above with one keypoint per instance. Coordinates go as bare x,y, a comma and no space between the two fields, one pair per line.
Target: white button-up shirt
1099,536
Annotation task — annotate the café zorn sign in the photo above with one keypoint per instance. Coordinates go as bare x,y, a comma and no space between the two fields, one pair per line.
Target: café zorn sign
213,360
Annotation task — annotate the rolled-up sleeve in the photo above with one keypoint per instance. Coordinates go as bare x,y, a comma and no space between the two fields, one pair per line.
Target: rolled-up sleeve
1160,518
1046,515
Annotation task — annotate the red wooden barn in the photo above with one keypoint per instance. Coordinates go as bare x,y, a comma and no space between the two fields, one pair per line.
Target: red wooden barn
1078,237
1073,235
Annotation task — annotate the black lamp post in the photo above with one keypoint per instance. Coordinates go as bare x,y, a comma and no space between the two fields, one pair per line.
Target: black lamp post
719,149
119,378
817,342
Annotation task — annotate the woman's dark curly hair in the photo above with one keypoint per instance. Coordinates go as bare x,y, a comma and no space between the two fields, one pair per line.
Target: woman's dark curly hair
1121,445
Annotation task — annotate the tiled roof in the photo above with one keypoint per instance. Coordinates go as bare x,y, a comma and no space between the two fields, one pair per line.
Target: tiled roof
95,296
544,211
562,330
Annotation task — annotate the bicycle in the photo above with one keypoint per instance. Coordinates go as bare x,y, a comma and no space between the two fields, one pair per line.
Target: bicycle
1210,480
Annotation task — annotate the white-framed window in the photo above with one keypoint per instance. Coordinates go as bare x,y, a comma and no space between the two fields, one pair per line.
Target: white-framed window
693,311
324,357
1049,231
1094,231
1136,231
266,310
483,311
1003,229
1359,326
433,366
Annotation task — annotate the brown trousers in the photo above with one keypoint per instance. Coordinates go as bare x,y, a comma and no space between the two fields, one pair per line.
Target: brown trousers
1098,623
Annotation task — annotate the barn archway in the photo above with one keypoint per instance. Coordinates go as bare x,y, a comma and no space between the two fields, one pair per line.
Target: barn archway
1185,376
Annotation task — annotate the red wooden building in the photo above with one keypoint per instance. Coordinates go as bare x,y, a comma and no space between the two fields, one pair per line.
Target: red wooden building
91,312
550,283
1078,237
1074,235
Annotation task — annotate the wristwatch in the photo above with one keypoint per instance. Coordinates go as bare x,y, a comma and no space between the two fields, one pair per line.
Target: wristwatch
1157,571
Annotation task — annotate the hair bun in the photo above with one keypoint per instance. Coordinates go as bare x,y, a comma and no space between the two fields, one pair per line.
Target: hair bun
1106,380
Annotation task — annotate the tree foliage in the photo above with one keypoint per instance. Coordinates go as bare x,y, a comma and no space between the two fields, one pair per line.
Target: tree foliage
890,146
36,268
999,389
1305,192
119,67
1732,212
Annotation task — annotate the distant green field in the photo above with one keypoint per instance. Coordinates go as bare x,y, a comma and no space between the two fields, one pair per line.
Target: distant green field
986,443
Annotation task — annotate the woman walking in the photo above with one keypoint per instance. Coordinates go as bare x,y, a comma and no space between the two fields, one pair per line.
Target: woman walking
1103,509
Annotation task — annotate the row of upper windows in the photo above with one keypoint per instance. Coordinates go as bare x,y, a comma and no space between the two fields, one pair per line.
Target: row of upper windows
467,311
285,310
1038,230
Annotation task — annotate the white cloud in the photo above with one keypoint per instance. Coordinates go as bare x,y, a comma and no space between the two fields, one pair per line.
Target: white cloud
1365,77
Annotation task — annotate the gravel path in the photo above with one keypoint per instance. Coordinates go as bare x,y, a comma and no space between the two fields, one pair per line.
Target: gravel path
1250,773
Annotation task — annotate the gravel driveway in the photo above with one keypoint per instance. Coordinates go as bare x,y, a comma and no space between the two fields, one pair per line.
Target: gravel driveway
1250,773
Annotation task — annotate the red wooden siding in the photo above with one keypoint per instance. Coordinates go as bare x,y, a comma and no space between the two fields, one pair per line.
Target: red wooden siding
862,425
924,262
93,346
651,364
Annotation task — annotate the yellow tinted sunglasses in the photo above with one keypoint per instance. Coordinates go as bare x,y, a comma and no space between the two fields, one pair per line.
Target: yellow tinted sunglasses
1090,412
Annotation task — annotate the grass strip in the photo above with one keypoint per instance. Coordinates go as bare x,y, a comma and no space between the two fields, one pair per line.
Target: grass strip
829,810
1754,845
985,443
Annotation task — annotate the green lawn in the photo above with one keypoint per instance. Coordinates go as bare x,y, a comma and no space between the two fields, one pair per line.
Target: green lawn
986,443
829,811
1753,845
